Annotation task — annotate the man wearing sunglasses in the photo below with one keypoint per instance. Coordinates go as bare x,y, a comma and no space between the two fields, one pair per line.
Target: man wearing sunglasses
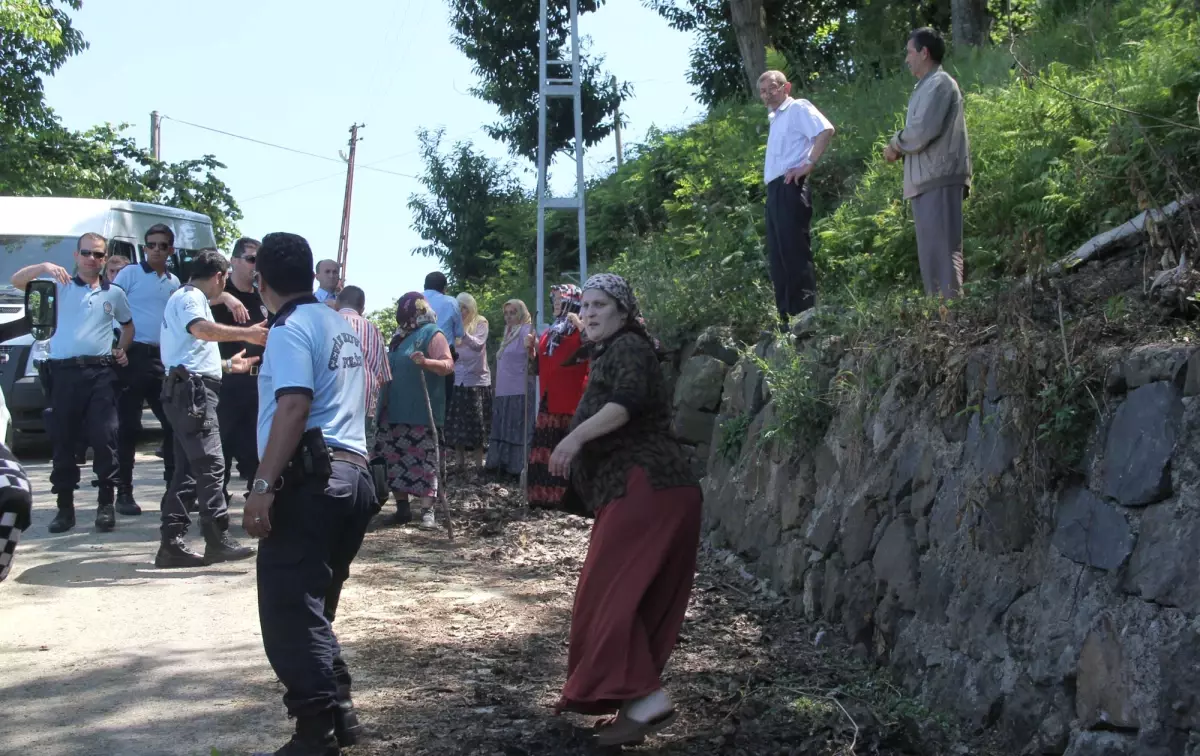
237,412
83,379
149,286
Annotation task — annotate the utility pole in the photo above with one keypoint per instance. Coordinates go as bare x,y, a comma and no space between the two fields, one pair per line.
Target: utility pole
344,237
617,125
155,135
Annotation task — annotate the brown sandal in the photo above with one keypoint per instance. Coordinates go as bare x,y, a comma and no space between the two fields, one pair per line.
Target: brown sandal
626,731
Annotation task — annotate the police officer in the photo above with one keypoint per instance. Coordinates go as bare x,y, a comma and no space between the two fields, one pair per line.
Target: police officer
83,378
313,466
189,337
148,287
238,410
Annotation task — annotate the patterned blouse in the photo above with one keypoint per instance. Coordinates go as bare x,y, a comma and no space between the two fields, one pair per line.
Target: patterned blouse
625,371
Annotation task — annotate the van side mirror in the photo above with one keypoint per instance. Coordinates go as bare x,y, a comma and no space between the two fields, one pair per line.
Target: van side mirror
41,307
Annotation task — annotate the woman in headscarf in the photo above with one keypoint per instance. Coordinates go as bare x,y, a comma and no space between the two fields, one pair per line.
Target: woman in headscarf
632,474
562,380
514,403
405,439
470,409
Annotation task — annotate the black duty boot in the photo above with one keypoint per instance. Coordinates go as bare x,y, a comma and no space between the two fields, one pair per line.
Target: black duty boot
314,737
219,546
174,552
403,514
345,720
65,519
106,513
126,504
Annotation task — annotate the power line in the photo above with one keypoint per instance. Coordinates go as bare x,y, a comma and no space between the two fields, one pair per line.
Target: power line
294,186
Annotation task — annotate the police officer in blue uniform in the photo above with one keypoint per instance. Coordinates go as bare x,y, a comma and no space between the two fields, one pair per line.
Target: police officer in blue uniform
189,338
313,496
83,378
238,410
148,286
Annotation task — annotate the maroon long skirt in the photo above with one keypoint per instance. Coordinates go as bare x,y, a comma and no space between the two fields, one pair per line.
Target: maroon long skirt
632,595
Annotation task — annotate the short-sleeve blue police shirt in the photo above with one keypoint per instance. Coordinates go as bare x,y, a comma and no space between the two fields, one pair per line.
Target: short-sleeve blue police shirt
85,319
148,293
312,350
179,346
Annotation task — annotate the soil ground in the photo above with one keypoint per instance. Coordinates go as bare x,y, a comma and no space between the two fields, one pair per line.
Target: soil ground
457,648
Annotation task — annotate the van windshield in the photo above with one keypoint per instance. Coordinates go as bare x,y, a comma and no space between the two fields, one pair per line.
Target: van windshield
18,251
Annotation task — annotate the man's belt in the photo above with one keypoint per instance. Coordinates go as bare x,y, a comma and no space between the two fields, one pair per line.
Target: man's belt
345,455
141,346
81,362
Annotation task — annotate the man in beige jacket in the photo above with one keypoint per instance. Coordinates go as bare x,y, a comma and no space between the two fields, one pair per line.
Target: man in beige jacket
937,164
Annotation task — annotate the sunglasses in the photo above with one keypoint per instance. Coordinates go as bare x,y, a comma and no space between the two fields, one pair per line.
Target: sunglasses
94,255
249,258
164,246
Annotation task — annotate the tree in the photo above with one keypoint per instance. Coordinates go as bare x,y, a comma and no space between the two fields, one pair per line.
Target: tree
750,26
971,24
501,39
465,191
42,158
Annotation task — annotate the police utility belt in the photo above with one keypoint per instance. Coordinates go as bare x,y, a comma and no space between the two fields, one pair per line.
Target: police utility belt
185,391
81,362
313,461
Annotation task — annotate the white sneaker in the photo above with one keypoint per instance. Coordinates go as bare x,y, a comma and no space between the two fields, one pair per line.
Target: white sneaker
427,520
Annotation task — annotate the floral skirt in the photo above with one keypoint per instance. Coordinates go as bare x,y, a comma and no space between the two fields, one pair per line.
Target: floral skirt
411,455
468,417
546,490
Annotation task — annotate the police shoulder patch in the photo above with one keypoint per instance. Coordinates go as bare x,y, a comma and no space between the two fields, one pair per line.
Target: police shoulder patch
108,308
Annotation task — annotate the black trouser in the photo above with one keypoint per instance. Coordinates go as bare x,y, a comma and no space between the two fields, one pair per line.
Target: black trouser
83,401
450,378
142,384
200,466
238,415
316,530
789,248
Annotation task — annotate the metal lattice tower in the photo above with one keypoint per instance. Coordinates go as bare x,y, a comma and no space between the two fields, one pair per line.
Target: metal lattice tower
558,86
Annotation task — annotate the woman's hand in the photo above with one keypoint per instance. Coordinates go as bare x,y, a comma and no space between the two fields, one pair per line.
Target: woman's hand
564,454
574,320
419,358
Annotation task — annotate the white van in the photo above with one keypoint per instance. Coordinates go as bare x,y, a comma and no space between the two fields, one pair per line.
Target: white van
46,229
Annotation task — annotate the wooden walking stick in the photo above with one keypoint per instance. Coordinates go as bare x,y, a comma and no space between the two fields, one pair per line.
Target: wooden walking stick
438,460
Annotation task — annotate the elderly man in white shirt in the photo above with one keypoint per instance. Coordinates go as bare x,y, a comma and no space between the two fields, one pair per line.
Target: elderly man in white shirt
799,135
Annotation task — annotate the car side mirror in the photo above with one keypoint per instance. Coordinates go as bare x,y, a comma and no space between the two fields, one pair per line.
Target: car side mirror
41,307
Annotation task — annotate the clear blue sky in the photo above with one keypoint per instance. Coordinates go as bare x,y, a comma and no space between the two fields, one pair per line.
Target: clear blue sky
299,72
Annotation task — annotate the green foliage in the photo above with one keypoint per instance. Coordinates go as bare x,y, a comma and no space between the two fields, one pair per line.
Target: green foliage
385,319
1066,409
733,436
501,39
803,404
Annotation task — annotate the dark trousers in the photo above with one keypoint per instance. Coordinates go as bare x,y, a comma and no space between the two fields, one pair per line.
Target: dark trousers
238,416
84,405
199,468
316,530
789,248
142,384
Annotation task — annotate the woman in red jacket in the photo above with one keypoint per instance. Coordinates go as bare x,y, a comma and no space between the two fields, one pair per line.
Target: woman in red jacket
561,387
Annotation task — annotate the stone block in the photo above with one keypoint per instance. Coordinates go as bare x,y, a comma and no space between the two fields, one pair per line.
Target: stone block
693,426
991,445
895,562
812,588
1104,684
1103,744
1156,362
833,594
1165,565
922,499
1141,440
1091,531
914,467
1191,383
822,527
717,341
858,613
700,384
733,393
858,528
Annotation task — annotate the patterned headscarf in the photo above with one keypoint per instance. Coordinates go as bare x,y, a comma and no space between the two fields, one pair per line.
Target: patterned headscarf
412,312
571,297
620,290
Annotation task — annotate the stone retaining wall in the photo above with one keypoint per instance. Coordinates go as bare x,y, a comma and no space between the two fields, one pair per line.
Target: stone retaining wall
1067,618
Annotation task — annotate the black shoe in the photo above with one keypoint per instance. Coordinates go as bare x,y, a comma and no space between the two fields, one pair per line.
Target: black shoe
64,520
346,726
220,547
314,737
403,514
175,553
126,505
106,517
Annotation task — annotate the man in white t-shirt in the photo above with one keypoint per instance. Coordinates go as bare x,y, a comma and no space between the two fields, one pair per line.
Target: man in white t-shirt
188,339
799,135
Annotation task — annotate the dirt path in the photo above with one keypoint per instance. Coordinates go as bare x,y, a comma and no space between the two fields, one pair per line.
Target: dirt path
456,649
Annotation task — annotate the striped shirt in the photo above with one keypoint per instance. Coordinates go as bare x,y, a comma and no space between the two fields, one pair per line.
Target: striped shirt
378,371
